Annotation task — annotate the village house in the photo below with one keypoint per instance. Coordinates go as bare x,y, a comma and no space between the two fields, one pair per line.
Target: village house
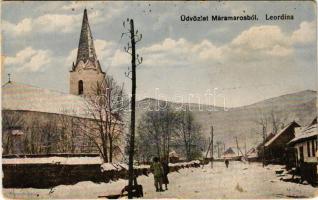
252,154
305,151
232,154
276,148
173,157
260,146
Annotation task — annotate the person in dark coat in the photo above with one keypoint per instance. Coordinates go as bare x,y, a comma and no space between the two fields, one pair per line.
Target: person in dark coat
227,162
157,170
165,167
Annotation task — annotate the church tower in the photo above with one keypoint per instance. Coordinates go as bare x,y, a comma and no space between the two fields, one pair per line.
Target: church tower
86,71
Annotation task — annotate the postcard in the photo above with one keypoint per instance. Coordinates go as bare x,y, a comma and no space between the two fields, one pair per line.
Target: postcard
149,99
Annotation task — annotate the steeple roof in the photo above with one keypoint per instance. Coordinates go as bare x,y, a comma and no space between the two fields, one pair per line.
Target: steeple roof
86,49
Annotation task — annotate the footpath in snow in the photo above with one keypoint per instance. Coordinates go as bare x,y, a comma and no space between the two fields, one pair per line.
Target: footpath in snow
246,181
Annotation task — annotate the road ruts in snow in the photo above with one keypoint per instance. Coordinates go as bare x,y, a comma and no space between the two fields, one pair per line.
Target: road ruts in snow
246,181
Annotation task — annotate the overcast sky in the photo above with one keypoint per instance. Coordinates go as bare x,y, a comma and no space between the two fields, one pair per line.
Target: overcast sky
247,61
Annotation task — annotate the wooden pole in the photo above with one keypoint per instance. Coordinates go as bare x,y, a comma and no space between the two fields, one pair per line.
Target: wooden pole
131,175
237,146
264,139
211,146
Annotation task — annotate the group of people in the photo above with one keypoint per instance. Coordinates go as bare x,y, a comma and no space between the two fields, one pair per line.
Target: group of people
160,172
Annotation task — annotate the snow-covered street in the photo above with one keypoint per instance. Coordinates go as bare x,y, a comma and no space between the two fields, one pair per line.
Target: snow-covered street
238,181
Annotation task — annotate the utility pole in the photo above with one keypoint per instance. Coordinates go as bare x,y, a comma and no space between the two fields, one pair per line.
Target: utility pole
211,146
132,116
218,145
264,139
207,152
237,146
245,151
134,38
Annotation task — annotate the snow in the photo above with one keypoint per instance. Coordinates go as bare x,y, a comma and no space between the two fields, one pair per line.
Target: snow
183,164
18,96
108,167
74,161
243,181
280,133
54,160
305,132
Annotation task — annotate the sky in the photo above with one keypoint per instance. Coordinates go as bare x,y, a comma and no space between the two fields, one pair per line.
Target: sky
236,63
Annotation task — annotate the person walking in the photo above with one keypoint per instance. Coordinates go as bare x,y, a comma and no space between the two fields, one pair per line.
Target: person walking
156,169
227,162
165,167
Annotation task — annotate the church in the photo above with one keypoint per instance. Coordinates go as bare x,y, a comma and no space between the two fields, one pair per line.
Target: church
42,121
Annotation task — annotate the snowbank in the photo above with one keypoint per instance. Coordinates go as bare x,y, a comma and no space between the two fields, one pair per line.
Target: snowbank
184,164
54,160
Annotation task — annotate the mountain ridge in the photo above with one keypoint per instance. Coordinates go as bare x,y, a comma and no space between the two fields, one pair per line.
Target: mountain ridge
241,121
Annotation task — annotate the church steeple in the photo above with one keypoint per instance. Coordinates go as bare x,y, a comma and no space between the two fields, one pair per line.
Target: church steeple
86,49
86,71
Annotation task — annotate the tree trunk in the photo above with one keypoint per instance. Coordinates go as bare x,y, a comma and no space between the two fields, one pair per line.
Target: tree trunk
110,149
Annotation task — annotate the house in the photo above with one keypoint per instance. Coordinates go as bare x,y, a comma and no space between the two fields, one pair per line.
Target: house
252,154
232,154
173,157
260,147
305,152
276,147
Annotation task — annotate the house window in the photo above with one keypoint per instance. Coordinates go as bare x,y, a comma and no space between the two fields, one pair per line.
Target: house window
301,154
308,148
313,147
80,87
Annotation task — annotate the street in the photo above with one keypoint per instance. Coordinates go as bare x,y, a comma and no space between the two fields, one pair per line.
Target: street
245,181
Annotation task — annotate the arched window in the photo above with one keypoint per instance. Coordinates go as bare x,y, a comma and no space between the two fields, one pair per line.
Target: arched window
80,87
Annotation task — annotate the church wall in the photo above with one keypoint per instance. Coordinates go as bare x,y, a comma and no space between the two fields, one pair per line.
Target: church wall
44,133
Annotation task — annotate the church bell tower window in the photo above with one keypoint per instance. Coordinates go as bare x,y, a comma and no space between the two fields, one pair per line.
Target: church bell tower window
80,87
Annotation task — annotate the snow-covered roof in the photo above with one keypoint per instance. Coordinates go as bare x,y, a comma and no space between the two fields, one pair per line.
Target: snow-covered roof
304,133
293,123
173,154
231,152
252,153
17,96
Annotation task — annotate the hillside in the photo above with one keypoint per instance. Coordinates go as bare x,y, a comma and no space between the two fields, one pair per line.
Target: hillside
240,121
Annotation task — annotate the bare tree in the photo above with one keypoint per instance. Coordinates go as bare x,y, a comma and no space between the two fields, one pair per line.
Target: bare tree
49,132
190,134
106,106
271,120
149,132
276,120
10,121
67,132
157,127
160,130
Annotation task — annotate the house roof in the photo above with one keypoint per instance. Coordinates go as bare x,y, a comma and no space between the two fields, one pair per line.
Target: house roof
269,136
293,123
231,152
305,133
173,154
17,96
252,153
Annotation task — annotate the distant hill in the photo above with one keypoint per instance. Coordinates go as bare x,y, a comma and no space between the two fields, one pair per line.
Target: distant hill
240,121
